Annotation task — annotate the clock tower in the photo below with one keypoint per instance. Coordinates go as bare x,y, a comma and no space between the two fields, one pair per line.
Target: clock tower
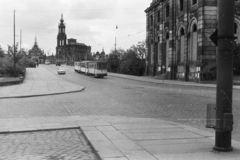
61,40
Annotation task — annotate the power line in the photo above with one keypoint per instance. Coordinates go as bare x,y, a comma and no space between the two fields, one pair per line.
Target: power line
81,10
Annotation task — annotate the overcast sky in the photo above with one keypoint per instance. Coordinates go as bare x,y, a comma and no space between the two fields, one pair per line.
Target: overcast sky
92,22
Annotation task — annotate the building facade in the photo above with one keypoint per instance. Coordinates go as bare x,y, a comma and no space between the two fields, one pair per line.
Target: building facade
69,50
178,31
36,54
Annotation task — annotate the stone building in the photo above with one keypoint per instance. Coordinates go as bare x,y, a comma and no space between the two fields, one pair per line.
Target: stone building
100,56
178,31
69,50
36,54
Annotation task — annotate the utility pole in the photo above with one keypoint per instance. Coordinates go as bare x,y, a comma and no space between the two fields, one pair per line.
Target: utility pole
115,45
20,41
224,117
116,42
14,49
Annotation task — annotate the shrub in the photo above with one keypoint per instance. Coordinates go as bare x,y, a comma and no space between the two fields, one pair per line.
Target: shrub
7,67
27,62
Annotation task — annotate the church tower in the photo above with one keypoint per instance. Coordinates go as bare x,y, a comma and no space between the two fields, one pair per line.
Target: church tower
61,40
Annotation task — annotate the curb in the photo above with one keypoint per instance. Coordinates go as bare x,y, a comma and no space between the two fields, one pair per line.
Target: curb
91,146
162,82
39,95
39,130
169,84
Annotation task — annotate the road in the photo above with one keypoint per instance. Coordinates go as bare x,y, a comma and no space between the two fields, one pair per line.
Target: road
122,97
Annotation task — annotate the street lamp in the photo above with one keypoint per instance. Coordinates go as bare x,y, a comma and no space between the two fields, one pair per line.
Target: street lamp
116,42
14,50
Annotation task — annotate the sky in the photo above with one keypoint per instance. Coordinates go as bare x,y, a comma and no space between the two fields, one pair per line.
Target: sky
92,22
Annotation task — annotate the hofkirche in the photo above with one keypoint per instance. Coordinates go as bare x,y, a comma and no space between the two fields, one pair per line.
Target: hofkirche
69,50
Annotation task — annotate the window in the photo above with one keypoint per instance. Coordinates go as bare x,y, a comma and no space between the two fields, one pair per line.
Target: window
194,2
167,10
167,35
194,28
151,20
158,16
182,45
182,32
235,28
193,43
181,5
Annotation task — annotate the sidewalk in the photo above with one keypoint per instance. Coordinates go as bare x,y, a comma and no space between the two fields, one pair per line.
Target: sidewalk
125,138
38,82
166,82
116,138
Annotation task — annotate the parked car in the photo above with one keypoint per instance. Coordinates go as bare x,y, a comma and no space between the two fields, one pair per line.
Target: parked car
58,63
47,62
61,70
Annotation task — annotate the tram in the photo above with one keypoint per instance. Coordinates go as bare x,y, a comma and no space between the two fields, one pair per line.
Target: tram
94,68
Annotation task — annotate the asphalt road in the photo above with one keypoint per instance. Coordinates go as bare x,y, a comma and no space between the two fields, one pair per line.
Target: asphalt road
122,97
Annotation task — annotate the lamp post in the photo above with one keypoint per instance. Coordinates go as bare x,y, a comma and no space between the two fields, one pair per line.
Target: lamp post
14,49
116,42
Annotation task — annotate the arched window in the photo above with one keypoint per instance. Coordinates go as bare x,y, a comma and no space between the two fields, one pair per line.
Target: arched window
193,43
194,29
167,51
182,45
194,2
182,32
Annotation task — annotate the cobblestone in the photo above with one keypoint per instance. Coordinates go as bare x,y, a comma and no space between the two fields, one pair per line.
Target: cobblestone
45,145
108,96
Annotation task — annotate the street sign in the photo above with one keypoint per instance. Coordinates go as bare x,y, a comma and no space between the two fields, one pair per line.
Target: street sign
214,37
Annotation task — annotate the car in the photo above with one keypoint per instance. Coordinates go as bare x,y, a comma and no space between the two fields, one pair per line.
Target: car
58,63
47,62
61,70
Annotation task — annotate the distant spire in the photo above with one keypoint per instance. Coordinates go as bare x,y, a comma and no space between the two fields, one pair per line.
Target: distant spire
35,40
61,18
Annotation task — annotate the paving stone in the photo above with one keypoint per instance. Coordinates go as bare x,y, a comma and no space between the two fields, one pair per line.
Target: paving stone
126,145
114,135
118,158
156,136
106,149
105,128
139,155
50,145
95,136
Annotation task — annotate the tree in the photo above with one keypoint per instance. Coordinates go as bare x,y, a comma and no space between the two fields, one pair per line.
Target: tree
1,52
114,59
140,49
131,63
